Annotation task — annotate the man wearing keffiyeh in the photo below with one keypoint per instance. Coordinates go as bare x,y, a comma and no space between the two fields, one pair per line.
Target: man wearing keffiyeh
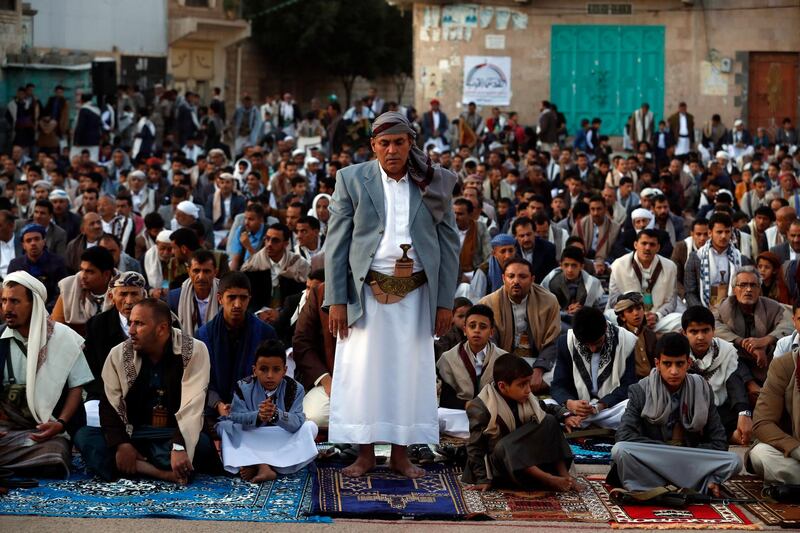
386,302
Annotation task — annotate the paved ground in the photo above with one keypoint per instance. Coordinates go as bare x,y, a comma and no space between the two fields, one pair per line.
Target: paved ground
79,525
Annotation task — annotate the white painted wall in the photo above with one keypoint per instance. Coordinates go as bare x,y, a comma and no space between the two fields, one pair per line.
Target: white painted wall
132,26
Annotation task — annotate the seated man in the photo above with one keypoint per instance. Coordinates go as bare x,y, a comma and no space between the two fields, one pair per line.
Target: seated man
91,231
573,286
152,420
753,324
598,231
465,369
716,360
541,254
595,366
682,249
516,439
156,263
710,271
231,337
527,320
41,386
776,457
184,243
39,262
109,328
630,315
791,341
195,301
83,295
278,268
651,275
488,277
455,334
249,237
473,238
313,350
671,421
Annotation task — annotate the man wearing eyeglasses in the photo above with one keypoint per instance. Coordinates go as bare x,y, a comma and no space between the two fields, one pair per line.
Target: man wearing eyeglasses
753,324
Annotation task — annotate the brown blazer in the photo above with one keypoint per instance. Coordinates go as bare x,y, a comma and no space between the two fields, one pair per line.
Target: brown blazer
314,346
680,254
774,418
675,126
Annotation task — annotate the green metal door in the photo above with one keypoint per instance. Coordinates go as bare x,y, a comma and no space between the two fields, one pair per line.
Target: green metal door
606,72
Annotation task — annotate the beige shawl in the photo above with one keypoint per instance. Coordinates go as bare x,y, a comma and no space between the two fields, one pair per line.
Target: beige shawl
297,268
79,307
123,366
543,317
186,306
453,372
498,408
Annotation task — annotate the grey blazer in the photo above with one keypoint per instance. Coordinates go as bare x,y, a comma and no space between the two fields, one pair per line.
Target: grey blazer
355,229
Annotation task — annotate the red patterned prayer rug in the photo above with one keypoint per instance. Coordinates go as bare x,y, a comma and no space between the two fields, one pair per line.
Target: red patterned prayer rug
706,516
583,506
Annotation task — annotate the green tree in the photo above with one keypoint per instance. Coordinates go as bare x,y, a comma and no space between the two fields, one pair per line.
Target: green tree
345,38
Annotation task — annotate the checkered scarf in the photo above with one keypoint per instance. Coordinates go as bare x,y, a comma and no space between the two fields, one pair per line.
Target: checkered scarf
704,254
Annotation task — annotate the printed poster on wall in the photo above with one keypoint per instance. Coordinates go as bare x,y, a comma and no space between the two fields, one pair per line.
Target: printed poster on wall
487,80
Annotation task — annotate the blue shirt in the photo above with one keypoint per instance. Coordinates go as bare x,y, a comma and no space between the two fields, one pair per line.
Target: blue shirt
255,241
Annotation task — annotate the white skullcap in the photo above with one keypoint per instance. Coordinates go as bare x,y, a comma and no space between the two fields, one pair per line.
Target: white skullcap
226,176
722,154
59,194
298,151
189,208
164,236
312,160
738,122
43,184
641,213
137,174
649,191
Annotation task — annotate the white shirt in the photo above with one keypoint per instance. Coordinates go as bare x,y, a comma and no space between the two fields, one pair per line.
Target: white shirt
397,231
646,272
202,306
595,371
787,344
78,375
435,115
520,311
721,261
275,269
123,322
792,254
683,129
462,235
7,253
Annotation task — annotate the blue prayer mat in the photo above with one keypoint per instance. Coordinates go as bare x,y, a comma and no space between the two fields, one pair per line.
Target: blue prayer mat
592,452
287,499
384,494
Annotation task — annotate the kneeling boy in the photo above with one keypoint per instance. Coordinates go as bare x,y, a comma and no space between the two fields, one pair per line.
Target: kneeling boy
514,438
267,433
467,368
671,420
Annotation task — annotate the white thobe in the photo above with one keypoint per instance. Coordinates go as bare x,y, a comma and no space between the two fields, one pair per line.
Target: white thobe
384,377
683,146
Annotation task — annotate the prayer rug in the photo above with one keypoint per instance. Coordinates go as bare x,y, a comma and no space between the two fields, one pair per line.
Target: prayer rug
591,451
287,499
384,494
706,516
770,512
583,506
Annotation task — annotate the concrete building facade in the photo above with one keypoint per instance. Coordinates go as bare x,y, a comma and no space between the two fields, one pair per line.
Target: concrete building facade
738,58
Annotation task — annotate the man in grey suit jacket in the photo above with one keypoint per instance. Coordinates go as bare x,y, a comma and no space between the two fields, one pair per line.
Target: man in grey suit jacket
790,249
384,378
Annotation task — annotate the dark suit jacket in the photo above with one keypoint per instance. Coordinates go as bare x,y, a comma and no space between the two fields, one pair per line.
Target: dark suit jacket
544,258
548,125
427,125
103,332
675,126
634,428
186,126
747,139
283,326
782,251
238,203
691,279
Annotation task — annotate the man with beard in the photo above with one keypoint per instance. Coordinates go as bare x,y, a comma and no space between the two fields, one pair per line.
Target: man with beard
83,295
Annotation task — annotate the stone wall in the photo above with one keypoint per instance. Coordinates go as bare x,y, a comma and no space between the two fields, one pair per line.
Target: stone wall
724,29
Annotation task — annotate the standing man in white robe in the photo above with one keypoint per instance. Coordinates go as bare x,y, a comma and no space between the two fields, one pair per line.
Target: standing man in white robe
385,305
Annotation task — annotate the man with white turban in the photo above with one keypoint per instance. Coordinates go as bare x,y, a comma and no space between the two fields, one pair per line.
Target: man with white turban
41,389
156,262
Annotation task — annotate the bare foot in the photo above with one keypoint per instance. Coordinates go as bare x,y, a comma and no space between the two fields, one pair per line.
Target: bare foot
360,466
558,483
403,466
713,488
265,473
247,472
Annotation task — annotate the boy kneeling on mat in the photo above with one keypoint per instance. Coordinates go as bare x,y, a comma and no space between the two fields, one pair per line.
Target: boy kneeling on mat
267,433
670,421
515,439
